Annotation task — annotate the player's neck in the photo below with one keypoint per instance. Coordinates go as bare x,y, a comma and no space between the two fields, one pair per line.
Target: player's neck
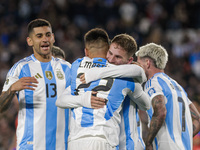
152,72
43,58
97,55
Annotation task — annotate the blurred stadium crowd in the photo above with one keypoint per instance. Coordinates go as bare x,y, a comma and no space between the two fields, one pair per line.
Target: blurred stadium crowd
175,24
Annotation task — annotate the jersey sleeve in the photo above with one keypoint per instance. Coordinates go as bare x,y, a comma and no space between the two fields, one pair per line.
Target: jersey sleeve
122,71
66,100
189,101
140,97
153,88
12,77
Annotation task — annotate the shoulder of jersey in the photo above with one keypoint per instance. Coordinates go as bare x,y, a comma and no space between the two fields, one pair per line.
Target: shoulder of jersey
20,64
24,60
77,61
63,61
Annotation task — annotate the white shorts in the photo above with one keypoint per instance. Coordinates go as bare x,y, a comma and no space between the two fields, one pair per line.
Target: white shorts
90,143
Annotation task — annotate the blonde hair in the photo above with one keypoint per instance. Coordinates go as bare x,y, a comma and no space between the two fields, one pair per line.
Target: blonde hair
156,52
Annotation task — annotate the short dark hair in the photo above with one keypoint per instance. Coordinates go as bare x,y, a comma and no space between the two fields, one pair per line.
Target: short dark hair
126,42
37,23
58,52
96,36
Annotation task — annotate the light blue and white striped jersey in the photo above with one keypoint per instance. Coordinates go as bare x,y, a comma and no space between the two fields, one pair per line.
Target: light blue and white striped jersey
104,122
41,125
130,132
140,144
128,126
176,132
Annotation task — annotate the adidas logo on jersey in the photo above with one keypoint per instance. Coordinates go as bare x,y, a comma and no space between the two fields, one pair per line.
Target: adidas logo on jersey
49,75
37,76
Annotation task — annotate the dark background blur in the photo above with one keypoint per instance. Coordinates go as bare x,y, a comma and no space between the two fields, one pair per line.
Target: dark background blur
175,24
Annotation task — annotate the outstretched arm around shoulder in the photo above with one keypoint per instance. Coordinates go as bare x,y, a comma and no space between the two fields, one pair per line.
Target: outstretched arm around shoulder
124,71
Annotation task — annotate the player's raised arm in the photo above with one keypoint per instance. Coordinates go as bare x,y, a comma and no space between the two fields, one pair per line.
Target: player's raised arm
124,71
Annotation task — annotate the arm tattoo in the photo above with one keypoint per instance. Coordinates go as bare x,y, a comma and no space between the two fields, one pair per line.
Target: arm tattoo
5,100
195,119
194,127
158,117
194,114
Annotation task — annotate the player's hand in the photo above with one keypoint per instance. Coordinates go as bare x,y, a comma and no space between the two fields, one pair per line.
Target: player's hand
97,102
82,78
24,83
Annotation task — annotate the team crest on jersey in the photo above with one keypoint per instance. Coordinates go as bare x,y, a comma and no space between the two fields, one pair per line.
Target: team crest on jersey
48,75
60,75
151,91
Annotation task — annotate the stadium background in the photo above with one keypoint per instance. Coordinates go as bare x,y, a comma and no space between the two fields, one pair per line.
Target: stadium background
175,24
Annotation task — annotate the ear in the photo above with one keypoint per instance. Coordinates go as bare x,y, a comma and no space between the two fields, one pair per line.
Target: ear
86,52
148,62
130,60
29,41
53,38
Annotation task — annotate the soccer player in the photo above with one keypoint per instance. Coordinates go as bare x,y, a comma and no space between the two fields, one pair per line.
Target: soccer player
174,118
121,51
37,81
99,128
